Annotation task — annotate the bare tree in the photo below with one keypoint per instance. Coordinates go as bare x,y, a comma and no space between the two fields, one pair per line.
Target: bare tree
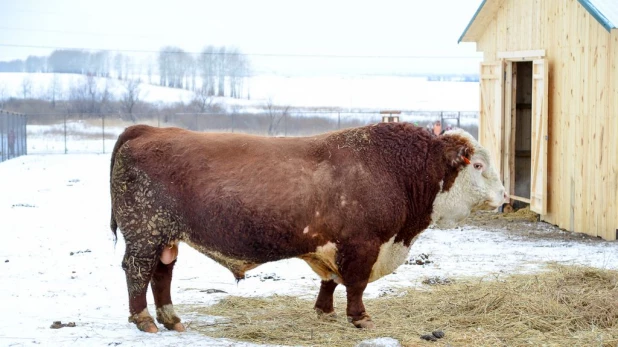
85,97
131,97
104,99
207,67
192,62
165,67
221,70
99,64
16,65
239,70
36,64
175,68
202,100
26,87
169,67
182,62
68,61
275,116
128,68
118,65
149,69
3,94
55,89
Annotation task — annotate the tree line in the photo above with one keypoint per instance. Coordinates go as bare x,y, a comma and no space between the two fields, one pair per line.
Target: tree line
215,71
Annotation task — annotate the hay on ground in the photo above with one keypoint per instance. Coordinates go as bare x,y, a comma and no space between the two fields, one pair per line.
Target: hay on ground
565,306
523,214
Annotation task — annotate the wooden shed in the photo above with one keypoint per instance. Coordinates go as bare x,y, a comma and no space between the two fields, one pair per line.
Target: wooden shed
549,106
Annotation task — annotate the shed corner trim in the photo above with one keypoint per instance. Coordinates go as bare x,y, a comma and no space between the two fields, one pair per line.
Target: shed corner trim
594,12
478,10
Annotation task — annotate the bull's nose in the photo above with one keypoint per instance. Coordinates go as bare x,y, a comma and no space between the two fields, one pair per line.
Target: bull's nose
506,197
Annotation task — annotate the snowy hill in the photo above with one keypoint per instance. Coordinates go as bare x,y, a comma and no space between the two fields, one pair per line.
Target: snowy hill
380,92
41,84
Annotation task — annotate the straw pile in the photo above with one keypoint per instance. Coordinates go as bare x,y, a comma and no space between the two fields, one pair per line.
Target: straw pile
565,306
523,214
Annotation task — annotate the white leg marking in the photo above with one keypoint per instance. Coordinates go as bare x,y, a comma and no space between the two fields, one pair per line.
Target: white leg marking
390,257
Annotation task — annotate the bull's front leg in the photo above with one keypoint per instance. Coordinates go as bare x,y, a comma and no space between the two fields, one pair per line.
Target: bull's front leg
324,304
356,309
356,262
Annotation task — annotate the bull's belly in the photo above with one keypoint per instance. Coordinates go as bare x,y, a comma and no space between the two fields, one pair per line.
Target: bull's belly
322,261
238,267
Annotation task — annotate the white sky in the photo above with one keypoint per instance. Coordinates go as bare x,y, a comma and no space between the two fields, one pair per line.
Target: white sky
318,27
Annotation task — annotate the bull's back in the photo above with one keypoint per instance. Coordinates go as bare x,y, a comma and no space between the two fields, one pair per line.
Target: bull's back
203,164
243,196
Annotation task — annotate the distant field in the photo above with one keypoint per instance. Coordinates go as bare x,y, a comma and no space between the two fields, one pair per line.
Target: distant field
365,92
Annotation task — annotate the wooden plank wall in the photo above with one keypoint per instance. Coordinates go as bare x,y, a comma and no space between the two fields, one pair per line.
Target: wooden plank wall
610,135
490,128
583,106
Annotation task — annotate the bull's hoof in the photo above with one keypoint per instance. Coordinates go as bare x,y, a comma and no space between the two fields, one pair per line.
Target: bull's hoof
144,323
364,323
179,327
169,319
148,327
326,316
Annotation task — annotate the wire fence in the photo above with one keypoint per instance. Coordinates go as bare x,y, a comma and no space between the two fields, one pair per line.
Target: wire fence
12,135
97,133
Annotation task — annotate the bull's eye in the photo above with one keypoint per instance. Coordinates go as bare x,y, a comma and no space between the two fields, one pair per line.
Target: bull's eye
478,166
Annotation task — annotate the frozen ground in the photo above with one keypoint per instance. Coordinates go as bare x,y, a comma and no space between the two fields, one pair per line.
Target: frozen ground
59,261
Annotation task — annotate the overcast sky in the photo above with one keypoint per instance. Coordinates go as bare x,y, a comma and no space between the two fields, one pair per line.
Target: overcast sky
391,28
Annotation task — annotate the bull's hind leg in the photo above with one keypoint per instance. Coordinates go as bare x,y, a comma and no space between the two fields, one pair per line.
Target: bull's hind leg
324,304
138,264
160,284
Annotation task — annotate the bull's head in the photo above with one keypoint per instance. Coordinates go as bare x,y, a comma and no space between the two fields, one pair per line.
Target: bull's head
477,186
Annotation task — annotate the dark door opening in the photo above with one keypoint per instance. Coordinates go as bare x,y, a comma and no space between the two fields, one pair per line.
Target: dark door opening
522,116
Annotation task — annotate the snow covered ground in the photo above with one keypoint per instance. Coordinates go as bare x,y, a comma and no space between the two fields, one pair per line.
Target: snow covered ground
59,262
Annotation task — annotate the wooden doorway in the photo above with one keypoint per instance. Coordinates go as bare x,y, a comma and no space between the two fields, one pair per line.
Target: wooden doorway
525,131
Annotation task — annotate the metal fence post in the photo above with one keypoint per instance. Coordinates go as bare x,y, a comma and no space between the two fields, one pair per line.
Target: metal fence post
3,131
103,130
65,134
25,135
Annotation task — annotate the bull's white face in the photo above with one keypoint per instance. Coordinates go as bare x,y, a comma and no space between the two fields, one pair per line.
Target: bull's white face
477,186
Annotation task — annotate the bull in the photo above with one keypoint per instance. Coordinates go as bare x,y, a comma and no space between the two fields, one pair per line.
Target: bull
350,203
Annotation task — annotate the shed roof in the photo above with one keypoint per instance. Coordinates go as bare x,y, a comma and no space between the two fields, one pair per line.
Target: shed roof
604,11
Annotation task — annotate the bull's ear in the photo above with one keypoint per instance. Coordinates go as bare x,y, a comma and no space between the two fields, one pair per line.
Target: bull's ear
457,150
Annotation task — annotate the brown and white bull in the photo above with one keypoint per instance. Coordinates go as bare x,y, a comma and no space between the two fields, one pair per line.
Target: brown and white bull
350,203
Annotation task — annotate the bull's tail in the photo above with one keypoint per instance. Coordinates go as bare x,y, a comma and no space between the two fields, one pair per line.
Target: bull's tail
128,134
